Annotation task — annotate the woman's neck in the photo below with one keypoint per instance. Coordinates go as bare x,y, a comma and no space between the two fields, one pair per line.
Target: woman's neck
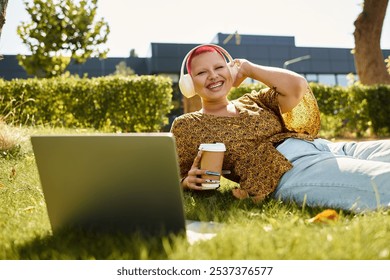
222,109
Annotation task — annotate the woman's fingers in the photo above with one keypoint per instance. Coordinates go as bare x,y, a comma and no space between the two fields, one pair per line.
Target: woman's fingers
194,183
196,162
194,175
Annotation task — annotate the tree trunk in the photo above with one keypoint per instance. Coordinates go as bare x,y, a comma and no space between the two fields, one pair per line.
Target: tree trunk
3,8
369,60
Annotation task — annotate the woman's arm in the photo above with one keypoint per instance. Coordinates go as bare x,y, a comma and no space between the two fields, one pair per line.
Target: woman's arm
290,85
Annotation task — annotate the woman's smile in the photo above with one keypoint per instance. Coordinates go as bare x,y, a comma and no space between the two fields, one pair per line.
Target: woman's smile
215,85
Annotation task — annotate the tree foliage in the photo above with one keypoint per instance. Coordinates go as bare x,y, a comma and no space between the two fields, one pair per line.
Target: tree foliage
61,30
122,69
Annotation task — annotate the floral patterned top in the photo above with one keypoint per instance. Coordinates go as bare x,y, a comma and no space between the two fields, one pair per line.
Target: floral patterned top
250,138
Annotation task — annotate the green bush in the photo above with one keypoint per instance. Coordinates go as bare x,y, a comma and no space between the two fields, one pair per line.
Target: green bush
356,110
377,99
114,103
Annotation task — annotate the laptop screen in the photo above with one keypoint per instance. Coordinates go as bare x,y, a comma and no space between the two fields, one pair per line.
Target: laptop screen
126,182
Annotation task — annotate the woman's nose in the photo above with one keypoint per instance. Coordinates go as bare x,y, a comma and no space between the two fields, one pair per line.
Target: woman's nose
213,75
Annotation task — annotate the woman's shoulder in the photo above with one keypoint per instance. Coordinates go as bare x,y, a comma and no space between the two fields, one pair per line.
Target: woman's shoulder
186,119
192,123
188,116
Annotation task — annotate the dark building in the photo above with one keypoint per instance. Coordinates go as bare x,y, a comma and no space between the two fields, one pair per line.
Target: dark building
325,65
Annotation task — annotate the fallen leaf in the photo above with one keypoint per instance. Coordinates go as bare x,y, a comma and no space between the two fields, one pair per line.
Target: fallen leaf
325,217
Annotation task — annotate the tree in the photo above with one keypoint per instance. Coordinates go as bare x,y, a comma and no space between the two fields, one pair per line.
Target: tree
3,8
61,30
369,61
133,53
123,70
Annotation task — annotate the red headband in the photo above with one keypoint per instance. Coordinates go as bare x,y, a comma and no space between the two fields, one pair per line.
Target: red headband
198,51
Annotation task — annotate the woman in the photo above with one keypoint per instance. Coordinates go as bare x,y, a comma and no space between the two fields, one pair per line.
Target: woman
270,137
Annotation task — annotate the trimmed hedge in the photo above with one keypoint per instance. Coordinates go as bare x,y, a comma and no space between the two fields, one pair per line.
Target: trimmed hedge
347,111
142,104
357,110
112,103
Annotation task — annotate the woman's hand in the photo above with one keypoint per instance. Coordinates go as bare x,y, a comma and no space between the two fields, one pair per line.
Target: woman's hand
239,71
240,193
193,179
243,194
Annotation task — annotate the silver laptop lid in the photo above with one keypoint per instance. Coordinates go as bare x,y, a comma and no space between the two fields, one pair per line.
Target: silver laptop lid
126,182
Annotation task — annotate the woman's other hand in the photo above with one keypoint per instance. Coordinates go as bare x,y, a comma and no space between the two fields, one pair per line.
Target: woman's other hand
243,194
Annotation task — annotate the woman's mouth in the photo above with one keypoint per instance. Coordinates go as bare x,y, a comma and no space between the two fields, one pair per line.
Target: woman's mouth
215,85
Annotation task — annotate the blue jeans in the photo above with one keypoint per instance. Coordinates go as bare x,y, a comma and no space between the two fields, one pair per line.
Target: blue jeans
347,175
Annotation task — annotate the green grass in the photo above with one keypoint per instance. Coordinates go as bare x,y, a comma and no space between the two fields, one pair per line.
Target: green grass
271,230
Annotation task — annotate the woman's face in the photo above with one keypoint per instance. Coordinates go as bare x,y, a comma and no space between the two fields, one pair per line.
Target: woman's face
211,76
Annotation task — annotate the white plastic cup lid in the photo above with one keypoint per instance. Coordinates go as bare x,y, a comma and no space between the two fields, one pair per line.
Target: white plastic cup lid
214,147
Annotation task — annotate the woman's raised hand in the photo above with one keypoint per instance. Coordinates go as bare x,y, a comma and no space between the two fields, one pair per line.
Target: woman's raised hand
238,71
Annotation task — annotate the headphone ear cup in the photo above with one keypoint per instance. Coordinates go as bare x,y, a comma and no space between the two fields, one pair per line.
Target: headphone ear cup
186,86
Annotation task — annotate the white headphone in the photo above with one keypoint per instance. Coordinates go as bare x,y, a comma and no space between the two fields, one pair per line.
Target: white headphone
186,84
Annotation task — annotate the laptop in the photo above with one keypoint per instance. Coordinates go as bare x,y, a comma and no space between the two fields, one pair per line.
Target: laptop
111,182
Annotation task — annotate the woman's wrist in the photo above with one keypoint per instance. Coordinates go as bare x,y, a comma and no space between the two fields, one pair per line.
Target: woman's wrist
183,183
247,68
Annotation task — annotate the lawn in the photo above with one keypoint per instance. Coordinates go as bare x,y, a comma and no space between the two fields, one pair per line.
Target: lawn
272,230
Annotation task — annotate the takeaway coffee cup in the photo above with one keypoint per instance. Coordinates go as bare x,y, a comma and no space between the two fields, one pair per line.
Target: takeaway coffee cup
212,160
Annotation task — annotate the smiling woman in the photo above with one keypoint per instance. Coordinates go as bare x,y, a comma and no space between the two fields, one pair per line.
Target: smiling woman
272,149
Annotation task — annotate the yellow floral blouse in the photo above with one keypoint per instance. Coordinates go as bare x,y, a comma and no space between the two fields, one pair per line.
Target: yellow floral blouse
250,138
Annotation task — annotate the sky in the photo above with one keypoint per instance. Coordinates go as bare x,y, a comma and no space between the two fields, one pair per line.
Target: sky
135,24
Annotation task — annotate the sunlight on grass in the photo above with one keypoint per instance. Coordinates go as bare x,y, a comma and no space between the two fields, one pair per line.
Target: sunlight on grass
10,140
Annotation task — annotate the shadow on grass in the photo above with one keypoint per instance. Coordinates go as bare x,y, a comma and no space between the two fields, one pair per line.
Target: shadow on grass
75,244
213,205
79,244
